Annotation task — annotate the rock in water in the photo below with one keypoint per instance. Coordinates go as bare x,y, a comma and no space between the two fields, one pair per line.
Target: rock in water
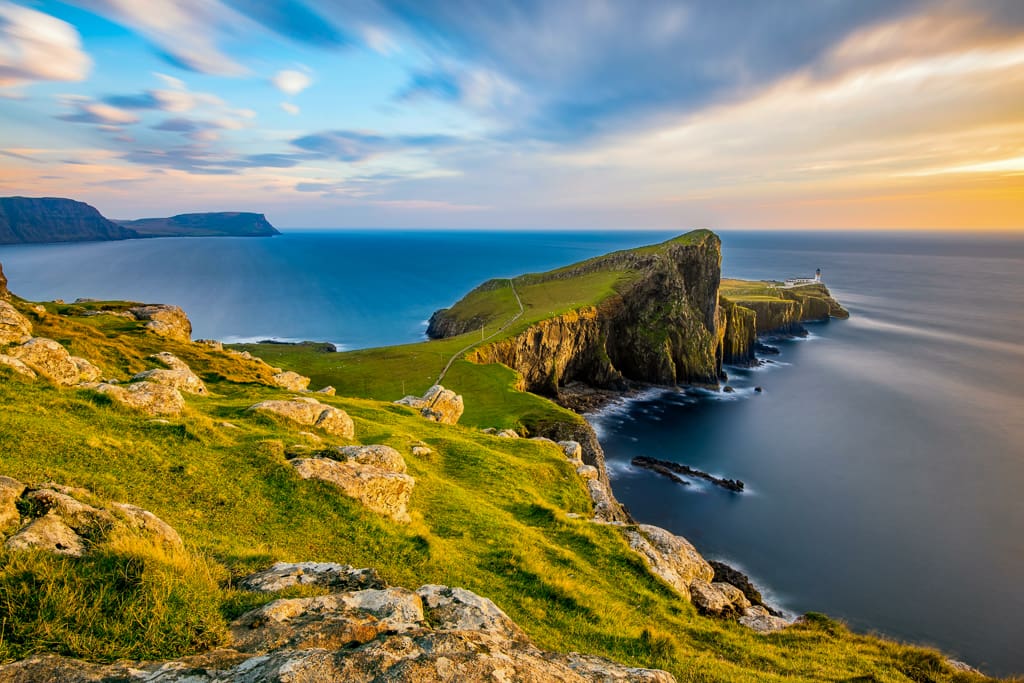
14,327
310,413
165,320
438,404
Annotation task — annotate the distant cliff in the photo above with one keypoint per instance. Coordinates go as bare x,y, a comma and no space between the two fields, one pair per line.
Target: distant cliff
49,219
220,224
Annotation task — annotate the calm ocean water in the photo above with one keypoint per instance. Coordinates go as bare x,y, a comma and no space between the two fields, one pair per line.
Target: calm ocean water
884,459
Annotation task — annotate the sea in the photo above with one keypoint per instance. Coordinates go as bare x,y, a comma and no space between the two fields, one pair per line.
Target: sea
883,457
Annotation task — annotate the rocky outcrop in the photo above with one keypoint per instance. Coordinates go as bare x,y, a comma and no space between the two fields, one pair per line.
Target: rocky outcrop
432,635
49,219
373,475
176,374
438,404
67,521
4,292
145,397
14,327
18,367
165,320
309,412
337,577
51,360
292,381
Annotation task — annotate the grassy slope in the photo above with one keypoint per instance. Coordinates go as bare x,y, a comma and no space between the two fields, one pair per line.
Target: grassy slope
489,514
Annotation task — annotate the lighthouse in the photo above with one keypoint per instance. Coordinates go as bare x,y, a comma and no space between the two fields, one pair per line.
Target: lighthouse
817,275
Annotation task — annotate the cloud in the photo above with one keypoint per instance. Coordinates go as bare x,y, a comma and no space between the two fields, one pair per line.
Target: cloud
291,82
355,146
293,20
38,47
290,108
98,113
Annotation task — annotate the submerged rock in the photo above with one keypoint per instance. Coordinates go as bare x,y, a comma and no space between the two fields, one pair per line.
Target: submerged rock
438,404
165,320
309,412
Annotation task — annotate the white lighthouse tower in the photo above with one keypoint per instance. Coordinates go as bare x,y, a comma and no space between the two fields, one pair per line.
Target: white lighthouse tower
817,275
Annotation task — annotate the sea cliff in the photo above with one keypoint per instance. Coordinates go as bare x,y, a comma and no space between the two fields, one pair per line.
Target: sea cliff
51,219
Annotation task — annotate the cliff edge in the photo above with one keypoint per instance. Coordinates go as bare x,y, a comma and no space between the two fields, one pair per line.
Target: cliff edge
216,224
51,219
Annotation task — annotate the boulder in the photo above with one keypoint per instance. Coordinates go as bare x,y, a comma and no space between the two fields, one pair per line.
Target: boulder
508,434
573,451
212,343
671,558
587,472
292,381
337,577
718,599
165,321
87,372
421,450
384,457
457,609
147,524
758,618
438,404
176,374
48,532
309,412
146,397
327,391
386,493
10,491
17,366
53,361
14,327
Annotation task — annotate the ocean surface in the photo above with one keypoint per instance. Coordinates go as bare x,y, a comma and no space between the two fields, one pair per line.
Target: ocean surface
884,459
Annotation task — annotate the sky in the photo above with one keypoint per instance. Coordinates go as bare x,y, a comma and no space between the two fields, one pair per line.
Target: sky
589,114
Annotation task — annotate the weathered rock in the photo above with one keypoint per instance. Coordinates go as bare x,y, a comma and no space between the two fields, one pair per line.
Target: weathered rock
17,366
147,524
48,532
327,391
457,609
438,404
604,503
292,381
310,413
719,599
421,451
14,327
573,451
386,493
727,574
177,374
10,491
672,558
761,620
338,577
212,343
4,292
508,434
146,397
384,457
587,472
49,359
165,321
87,372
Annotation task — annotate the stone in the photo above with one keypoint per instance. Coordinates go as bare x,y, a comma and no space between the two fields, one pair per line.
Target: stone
147,524
457,609
573,451
327,391
48,532
4,292
292,381
386,493
87,372
759,619
165,321
10,491
17,366
337,577
671,558
600,494
759,389
177,374
438,404
212,343
49,359
718,599
508,434
14,327
587,472
383,457
728,389
309,412
145,397
421,451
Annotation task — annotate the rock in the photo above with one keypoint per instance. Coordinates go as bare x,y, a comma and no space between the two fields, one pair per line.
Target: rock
4,292
177,374
383,457
719,599
87,372
728,574
292,381
309,412
49,359
573,451
671,558
386,493
48,532
146,397
421,451
148,524
438,404
962,667
10,491
728,389
508,434
602,498
327,391
761,620
338,577
17,366
587,472
14,327
212,343
165,321
457,609
758,389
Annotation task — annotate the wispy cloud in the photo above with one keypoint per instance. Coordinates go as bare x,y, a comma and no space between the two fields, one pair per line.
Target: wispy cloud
38,47
355,146
291,82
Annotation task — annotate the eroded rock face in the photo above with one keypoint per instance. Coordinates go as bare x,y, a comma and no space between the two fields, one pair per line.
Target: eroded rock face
309,412
51,360
670,557
384,492
719,599
165,320
438,404
14,327
145,397
176,374
339,577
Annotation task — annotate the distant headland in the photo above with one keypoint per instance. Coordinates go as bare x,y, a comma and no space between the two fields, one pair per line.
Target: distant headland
26,220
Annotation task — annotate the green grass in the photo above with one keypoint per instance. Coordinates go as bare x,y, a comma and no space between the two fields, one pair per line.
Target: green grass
488,514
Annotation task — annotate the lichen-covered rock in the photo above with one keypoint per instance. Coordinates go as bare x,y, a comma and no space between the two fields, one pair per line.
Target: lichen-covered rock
87,372
604,503
292,381
165,320
309,412
573,451
147,524
14,327
327,391
49,359
672,558
719,599
420,450
48,532
384,457
17,366
386,493
176,374
438,404
761,620
457,609
10,491
587,472
145,397
338,577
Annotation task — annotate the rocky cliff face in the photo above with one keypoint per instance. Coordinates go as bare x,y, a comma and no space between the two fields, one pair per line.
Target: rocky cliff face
48,219
4,292
216,224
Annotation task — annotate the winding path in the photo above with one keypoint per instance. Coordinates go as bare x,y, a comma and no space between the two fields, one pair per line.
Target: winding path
501,329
